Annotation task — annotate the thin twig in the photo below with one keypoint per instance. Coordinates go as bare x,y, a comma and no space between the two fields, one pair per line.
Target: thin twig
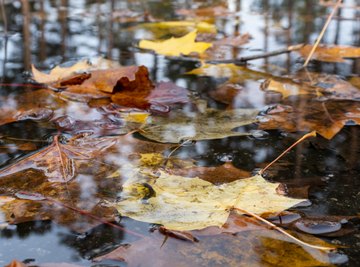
242,60
322,33
283,231
311,134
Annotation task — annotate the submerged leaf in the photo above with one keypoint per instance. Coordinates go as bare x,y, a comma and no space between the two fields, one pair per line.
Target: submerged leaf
176,46
249,248
181,203
212,124
57,160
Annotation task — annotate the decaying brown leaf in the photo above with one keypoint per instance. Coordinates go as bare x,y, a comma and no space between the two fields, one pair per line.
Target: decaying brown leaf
326,118
331,53
57,160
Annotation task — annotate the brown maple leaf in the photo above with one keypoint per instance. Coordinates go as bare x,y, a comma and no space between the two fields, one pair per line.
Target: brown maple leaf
57,160
326,118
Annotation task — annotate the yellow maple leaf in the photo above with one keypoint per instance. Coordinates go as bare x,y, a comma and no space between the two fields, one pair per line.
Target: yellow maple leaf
191,25
176,46
59,73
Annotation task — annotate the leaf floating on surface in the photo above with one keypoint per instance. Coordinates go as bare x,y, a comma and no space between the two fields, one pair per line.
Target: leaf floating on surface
326,118
331,53
181,203
212,124
176,46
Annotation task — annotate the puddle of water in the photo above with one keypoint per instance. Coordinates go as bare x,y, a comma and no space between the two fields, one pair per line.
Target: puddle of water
71,31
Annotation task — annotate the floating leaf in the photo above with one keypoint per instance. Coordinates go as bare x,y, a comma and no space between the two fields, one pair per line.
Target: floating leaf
331,53
231,71
176,46
181,203
326,118
212,124
189,25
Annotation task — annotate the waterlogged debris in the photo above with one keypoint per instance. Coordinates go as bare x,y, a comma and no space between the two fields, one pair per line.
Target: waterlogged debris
331,53
212,124
185,45
181,203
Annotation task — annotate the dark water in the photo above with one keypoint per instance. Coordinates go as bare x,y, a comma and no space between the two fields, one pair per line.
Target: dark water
47,33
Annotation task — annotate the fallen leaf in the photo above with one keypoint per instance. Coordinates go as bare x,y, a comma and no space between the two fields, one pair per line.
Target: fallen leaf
319,85
59,73
176,46
212,124
181,203
57,160
251,248
331,53
233,72
101,83
220,174
164,93
326,118
188,25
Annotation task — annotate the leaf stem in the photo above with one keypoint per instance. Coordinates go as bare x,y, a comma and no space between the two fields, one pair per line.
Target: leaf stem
283,231
311,134
322,33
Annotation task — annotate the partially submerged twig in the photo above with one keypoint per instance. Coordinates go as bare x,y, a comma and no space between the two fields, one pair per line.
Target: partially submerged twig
322,33
243,60
311,134
283,231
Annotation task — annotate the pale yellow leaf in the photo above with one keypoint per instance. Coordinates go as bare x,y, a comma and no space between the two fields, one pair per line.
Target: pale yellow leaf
176,46
181,203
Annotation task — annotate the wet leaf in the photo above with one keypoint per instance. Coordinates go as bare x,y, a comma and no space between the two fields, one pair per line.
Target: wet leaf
326,118
176,46
57,160
183,25
231,71
251,248
212,124
181,203
164,94
58,73
323,86
220,174
331,53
